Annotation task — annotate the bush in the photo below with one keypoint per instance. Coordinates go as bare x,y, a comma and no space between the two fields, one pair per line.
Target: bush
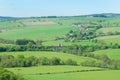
70,62
7,75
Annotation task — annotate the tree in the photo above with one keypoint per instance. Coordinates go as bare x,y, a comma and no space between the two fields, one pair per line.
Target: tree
7,75
55,61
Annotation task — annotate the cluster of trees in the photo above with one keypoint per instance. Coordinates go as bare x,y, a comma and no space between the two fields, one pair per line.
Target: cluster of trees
7,75
82,49
73,49
21,61
14,48
105,61
83,32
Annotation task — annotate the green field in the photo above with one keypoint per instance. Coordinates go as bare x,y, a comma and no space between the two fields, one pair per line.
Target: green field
53,34
110,29
100,75
58,73
111,53
62,56
110,39
49,69
37,32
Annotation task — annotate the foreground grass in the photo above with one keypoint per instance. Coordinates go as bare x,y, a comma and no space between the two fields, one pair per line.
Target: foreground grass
62,56
111,53
93,75
54,72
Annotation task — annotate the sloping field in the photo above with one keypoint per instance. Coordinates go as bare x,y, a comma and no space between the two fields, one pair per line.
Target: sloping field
111,53
37,32
62,56
110,39
109,29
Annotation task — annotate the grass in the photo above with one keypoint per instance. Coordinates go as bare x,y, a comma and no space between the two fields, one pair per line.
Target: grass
33,73
37,32
62,56
93,75
111,53
55,72
49,69
110,39
109,29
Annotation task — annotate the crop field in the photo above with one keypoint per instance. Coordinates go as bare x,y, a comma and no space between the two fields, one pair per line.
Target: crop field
111,53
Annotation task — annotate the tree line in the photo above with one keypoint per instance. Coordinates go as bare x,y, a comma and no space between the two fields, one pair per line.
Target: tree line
7,61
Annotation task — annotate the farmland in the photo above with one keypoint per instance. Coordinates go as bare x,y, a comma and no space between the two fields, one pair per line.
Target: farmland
75,48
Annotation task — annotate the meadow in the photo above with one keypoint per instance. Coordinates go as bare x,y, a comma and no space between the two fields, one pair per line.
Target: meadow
95,75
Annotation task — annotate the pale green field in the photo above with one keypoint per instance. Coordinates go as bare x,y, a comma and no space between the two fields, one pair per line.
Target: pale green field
62,56
110,39
111,53
109,29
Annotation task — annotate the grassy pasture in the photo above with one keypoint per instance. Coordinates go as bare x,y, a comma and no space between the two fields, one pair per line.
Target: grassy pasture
62,56
93,75
49,69
111,53
110,39
37,32
109,29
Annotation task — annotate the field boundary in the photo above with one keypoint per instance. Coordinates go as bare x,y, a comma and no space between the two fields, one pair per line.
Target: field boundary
48,73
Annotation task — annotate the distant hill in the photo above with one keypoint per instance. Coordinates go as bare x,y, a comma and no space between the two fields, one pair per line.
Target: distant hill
6,18
105,15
